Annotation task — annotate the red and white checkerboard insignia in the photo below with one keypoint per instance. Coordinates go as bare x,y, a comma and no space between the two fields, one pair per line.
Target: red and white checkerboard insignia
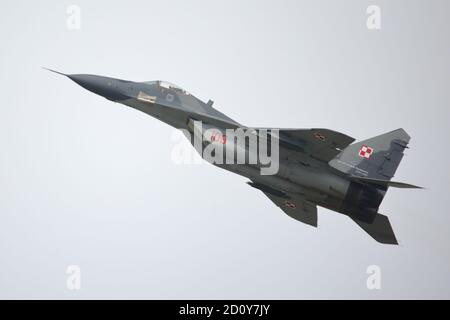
365,152
290,204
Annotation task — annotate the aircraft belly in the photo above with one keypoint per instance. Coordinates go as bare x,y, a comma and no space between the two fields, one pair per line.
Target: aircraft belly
322,182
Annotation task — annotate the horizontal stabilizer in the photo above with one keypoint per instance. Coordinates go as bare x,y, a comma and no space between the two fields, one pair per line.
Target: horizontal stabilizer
380,229
385,183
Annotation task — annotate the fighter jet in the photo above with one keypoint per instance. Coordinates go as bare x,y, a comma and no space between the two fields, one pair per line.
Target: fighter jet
316,167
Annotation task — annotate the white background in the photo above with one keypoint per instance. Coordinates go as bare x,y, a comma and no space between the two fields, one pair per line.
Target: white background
84,181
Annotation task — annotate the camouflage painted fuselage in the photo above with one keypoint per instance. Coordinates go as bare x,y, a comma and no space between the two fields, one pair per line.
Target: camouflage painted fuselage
316,166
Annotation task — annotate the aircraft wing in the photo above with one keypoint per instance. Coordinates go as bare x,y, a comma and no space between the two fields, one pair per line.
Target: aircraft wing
294,206
320,144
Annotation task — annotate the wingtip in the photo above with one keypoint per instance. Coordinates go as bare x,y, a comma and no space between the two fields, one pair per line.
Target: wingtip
413,186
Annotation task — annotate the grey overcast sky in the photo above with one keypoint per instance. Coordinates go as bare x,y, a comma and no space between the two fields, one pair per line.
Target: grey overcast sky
87,182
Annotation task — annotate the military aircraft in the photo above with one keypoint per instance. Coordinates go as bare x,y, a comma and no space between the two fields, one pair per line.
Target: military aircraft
316,167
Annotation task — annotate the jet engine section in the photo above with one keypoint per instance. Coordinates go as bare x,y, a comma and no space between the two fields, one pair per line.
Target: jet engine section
324,184
362,201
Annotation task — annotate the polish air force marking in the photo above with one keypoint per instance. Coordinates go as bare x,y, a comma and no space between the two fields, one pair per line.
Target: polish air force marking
365,152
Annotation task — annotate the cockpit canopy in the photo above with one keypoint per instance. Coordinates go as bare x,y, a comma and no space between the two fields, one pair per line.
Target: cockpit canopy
167,85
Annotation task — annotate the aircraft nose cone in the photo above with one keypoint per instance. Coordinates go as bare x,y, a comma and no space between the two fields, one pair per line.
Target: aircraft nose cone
103,86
